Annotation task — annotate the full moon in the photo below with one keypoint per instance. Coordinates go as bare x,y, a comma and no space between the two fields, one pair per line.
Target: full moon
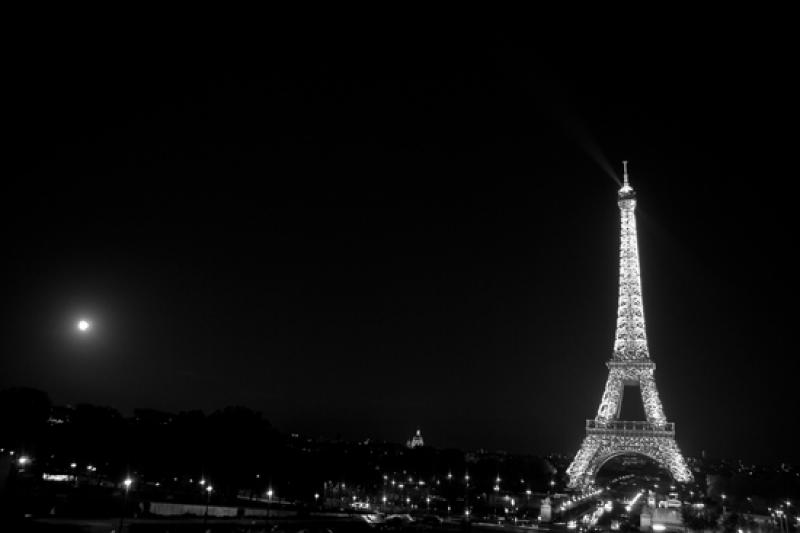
84,325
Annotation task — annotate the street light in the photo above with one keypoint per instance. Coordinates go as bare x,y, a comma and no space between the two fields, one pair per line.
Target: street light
127,483
783,520
269,504
466,494
209,488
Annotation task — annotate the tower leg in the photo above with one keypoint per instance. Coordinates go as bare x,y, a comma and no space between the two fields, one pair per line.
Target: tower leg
580,465
650,399
675,462
611,403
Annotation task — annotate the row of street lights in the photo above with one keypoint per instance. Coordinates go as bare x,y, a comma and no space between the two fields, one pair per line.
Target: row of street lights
207,488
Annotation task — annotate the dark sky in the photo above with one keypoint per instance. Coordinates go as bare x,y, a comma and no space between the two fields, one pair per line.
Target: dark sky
362,233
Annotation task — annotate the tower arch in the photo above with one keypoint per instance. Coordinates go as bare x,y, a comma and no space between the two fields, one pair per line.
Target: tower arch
600,462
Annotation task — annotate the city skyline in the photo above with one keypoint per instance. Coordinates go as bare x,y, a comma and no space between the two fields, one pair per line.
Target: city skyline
410,236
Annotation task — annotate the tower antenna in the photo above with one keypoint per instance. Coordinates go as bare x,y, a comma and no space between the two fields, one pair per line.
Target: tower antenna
625,173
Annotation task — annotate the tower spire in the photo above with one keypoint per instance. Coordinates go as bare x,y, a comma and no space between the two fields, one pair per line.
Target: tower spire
626,192
631,340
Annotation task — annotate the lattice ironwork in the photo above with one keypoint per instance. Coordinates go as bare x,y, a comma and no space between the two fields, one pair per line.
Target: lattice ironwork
630,364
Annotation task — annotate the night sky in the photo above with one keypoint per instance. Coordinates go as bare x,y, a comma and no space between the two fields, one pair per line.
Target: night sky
364,233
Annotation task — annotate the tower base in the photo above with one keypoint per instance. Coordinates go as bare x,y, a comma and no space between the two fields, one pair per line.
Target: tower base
604,443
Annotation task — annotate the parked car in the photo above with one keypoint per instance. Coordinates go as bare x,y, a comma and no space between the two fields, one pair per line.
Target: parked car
431,520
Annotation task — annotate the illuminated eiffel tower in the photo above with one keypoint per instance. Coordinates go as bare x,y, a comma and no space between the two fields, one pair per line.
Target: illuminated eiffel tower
607,436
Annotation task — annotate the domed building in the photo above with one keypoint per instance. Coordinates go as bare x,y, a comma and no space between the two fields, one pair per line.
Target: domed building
416,440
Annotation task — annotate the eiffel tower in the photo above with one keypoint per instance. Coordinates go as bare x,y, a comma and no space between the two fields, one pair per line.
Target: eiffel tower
607,436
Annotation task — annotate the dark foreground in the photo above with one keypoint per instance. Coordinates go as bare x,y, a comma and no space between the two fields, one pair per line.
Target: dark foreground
197,525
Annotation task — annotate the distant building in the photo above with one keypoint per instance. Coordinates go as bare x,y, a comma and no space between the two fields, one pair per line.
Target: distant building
60,415
415,441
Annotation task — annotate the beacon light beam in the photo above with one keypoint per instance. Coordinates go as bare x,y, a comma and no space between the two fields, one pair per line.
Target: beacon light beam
566,118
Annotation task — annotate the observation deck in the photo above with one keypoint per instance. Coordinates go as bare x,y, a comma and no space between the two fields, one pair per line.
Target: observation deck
630,429
631,364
